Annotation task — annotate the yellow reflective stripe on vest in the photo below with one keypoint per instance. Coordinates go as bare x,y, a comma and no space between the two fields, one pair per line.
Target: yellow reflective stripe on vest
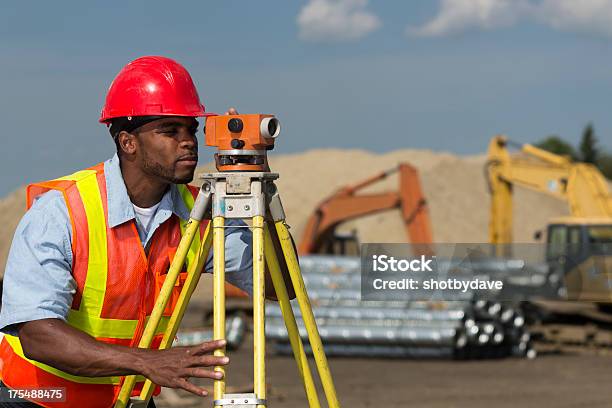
16,346
189,201
94,289
186,195
76,176
109,328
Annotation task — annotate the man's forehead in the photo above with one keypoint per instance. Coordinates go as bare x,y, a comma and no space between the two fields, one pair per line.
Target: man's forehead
175,121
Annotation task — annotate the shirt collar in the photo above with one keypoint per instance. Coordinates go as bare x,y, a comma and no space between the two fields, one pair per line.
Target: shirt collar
121,209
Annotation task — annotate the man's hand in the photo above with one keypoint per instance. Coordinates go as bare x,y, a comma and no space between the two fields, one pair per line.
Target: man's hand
55,343
172,368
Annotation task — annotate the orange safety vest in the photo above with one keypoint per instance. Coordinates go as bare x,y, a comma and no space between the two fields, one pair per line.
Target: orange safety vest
117,284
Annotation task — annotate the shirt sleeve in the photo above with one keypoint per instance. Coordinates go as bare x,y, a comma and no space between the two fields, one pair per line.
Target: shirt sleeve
238,255
38,282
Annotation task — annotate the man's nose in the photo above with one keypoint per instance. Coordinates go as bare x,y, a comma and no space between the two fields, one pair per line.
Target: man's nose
188,140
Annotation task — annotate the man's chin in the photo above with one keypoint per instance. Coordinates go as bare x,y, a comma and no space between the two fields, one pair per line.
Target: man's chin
183,180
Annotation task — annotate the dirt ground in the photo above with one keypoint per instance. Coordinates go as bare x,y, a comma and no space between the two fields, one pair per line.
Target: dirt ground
548,381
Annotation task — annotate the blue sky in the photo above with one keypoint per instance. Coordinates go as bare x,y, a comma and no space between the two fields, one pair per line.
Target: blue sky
443,74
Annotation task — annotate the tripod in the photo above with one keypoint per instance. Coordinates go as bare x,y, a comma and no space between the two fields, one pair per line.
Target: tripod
247,195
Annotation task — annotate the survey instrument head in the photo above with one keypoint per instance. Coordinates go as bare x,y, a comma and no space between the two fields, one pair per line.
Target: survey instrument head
242,140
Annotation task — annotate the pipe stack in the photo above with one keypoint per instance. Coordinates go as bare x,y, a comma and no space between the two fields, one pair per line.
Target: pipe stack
464,328
235,326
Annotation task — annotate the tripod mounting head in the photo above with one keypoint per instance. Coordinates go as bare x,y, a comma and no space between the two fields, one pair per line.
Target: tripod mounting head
242,140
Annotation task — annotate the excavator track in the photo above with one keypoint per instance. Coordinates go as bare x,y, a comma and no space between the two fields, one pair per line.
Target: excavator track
565,338
570,327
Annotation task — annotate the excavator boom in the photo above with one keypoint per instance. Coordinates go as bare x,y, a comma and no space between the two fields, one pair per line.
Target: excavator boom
346,204
580,184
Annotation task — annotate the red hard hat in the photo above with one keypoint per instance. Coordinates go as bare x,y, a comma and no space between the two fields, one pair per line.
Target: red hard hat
152,86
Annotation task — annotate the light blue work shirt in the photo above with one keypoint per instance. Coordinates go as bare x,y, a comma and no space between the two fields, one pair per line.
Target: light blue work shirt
38,282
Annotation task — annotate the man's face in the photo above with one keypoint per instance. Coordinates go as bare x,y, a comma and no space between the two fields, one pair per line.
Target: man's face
168,149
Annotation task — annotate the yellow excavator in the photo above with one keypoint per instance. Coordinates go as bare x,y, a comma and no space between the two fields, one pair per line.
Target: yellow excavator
579,246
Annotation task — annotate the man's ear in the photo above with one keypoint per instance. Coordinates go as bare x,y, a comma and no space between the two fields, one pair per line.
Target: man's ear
127,142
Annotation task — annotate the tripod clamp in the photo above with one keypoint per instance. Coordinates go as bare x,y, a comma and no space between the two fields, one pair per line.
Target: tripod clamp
243,195
240,401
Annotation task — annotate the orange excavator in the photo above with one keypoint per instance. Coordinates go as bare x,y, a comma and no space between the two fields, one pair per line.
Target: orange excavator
320,234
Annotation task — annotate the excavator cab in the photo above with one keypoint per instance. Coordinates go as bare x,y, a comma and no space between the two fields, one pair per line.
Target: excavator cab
577,238
581,250
342,243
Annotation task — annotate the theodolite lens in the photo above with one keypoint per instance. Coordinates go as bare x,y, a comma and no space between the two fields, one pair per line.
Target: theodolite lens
235,125
270,128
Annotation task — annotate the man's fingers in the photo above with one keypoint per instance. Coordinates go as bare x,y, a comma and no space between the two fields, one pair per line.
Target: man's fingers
209,361
194,389
202,373
209,346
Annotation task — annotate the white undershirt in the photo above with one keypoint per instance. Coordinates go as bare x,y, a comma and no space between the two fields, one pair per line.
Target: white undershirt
144,216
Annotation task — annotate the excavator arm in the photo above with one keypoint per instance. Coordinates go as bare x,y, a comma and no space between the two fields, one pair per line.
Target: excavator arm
581,185
345,205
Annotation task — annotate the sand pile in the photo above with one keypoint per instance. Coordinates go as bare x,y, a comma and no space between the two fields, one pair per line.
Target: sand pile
454,186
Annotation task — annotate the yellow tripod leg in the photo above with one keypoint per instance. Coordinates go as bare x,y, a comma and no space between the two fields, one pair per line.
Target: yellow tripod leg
307,315
191,229
259,311
219,298
292,328
193,277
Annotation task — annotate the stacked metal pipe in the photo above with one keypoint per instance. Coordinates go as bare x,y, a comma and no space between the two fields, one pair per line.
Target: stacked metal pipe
496,330
348,326
235,325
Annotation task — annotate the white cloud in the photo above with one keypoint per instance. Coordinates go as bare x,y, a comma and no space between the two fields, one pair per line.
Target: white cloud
454,16
591,16
460,15
336,20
